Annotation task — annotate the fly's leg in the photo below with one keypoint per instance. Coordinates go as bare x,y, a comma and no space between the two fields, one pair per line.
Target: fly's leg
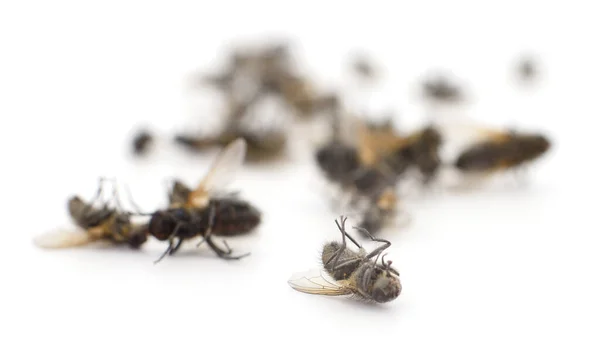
345,235
97,196
176,247
170,248
225,254
379,249
211,222
369,272
221,253
346,263
351,239
339,252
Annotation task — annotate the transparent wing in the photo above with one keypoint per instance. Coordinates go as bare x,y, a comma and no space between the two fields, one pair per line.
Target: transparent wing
222,171
317,282
62,239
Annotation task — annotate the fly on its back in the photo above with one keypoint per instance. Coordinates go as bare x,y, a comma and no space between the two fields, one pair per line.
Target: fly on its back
96,223
205,211
349,272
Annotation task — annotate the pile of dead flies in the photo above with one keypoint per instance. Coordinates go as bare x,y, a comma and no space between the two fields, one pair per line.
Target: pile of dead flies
364,160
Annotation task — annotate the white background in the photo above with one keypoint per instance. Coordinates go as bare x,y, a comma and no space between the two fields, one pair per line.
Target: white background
506,265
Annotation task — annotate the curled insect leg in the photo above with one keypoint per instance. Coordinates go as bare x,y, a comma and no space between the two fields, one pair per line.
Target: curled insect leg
164,254
170,248
379,249
339,252
228,249
388,266
345,233
99,191
346,263
176,247
211,222
97,196
224,254
369,272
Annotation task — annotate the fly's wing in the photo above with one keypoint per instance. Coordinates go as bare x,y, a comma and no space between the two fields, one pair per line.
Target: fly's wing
221,172
62,239
319,283
374,144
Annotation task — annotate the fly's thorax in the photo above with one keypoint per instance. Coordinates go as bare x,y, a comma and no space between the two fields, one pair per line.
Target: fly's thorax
349,257
376,283
186,221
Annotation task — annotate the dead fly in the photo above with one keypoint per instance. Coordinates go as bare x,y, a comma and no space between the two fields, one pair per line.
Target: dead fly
348,272
363,68
263,144
243,65
96,223
142,142
270,70
202,212
501,151
441,89
527,69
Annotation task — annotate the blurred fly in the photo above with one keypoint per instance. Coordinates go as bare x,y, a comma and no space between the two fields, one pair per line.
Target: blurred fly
500,151
96,223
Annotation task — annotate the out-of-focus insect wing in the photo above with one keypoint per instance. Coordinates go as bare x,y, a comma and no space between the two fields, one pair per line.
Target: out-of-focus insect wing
319,283
373,144
222,171
62,239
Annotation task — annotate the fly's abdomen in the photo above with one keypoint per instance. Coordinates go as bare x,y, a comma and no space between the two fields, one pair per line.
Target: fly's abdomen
233,217
481,158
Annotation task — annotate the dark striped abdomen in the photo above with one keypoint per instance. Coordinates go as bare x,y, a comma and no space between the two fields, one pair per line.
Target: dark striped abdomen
233,217
482,157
